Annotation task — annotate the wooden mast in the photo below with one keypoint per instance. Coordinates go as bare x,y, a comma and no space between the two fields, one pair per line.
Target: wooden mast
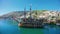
25,13
30,10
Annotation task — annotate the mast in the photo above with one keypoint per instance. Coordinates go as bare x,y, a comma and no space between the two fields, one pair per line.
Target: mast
36,14
30,10
25,13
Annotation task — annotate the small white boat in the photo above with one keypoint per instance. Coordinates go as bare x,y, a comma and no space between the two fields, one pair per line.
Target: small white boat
58,24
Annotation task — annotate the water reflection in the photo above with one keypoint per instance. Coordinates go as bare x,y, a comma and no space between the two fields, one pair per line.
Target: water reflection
47,30
31,30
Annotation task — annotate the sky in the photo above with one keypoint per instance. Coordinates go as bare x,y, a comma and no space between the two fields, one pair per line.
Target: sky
7,6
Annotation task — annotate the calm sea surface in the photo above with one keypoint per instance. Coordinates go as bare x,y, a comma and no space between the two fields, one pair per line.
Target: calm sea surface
9,26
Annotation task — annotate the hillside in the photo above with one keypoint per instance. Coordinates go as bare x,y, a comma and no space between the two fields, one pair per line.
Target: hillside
35,13
15,14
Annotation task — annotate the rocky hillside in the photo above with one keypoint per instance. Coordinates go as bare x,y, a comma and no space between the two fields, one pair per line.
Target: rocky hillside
40,13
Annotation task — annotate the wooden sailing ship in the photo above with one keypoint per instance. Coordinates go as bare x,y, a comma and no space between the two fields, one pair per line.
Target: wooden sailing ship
31,22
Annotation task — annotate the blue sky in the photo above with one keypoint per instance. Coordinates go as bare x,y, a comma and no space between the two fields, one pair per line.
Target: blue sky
7,6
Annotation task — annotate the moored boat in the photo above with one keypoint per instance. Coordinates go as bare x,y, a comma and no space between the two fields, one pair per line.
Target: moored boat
32,23
58,24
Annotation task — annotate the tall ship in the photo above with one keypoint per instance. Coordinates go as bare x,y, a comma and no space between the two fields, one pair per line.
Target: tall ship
31,22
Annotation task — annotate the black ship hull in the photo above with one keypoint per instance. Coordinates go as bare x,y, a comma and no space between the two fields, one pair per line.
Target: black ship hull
31,25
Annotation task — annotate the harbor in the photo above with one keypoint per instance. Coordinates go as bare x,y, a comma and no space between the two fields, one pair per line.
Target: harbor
43,22
29,16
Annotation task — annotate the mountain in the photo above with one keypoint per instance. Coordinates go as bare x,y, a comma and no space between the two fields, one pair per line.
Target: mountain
14,13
